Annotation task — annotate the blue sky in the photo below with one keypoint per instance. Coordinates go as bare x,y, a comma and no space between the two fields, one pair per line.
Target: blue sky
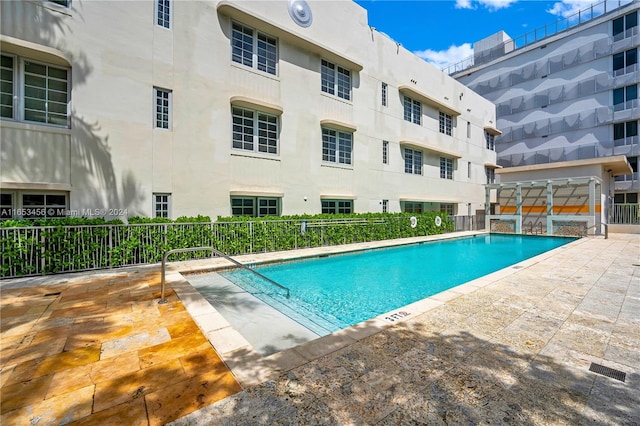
443,31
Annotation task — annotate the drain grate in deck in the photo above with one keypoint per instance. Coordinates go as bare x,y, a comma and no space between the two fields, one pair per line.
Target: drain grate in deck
607,371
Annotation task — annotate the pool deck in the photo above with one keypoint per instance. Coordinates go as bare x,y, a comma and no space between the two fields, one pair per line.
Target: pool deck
511,347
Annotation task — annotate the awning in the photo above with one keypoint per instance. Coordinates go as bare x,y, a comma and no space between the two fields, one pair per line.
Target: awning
243,101
436,103
429,147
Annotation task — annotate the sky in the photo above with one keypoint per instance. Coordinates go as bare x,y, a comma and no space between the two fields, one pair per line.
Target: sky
443,31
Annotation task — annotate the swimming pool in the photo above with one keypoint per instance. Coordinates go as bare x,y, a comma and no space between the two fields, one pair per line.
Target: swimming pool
331,293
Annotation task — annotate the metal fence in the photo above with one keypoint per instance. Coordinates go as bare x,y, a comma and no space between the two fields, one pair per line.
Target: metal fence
38,250
625,214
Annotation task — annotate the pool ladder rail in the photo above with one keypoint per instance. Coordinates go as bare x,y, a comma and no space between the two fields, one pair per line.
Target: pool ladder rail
217,253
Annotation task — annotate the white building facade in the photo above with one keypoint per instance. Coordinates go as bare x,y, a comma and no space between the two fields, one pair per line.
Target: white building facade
569,96
219,108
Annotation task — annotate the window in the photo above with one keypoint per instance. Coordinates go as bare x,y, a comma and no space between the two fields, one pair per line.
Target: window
64,3
447,208
411,207
7,90
253,49
623,95
336,146
491,174
38,206
412,161
623,62
385,206
162,205
384,94
337,206
6,206
446,122
412,110
622,25
335,80
491,141
625,133
385,152
44,91
468,129
469,170
255,206
163,13
249,126
163,108
446,168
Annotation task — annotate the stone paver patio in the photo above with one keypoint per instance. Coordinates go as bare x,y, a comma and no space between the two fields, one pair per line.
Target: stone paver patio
510,348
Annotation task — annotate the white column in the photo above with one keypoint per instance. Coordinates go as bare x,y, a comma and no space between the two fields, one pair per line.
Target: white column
549,208
518,208
487,208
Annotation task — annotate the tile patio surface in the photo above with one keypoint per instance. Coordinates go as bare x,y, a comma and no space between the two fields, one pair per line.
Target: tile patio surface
513,347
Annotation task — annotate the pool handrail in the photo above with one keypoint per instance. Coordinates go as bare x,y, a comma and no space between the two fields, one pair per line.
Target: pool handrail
213,251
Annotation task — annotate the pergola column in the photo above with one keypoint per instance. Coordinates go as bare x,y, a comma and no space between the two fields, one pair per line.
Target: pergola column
549,208
487,208
519,208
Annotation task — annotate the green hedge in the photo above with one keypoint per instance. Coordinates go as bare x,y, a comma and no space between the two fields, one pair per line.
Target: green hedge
75,244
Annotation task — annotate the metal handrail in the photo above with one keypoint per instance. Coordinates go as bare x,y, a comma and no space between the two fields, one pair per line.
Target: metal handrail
218,253
606,229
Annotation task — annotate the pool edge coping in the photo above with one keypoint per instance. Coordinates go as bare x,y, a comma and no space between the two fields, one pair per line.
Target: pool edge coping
250,368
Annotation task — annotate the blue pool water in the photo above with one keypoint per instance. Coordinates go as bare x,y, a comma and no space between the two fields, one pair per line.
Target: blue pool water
331,293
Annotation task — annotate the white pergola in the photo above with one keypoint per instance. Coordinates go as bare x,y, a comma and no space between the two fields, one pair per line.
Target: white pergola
567,201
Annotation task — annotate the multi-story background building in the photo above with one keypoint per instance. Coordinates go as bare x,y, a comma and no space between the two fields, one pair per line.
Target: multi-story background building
568,91
166,108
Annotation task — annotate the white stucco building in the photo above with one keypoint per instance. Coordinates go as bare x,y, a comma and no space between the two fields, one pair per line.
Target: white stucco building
566,92
221,107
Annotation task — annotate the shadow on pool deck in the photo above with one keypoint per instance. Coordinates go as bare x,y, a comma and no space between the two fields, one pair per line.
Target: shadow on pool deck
100,350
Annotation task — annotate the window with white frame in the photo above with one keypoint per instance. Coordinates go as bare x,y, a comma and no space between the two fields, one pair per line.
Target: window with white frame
337,146
385,206
412,161
254,49
337,206
623,97
412,110
384,94
491,141
255,206
385,152
625,133
446,168
446,123
446,208
251,126
163,13
43,94
162,205
412,207
623,62
623,25
491,174
163,108
335,80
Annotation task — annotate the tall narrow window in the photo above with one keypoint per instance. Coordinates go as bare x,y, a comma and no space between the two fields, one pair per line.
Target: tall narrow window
250,126
336,146
469,170
163,108
446,168
335,80
446,123
491,141
468,129
412,161
385,152
7,90
385,206
253,49
163,13
162,205
384,94
412,110
491,175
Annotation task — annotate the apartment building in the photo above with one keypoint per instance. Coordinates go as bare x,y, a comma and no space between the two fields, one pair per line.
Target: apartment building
566,92
167,108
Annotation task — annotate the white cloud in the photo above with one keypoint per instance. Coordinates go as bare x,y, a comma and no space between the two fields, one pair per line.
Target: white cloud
492,5
568,8
450,56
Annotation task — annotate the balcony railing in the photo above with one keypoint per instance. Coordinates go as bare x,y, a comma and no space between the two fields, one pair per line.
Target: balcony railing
625,214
